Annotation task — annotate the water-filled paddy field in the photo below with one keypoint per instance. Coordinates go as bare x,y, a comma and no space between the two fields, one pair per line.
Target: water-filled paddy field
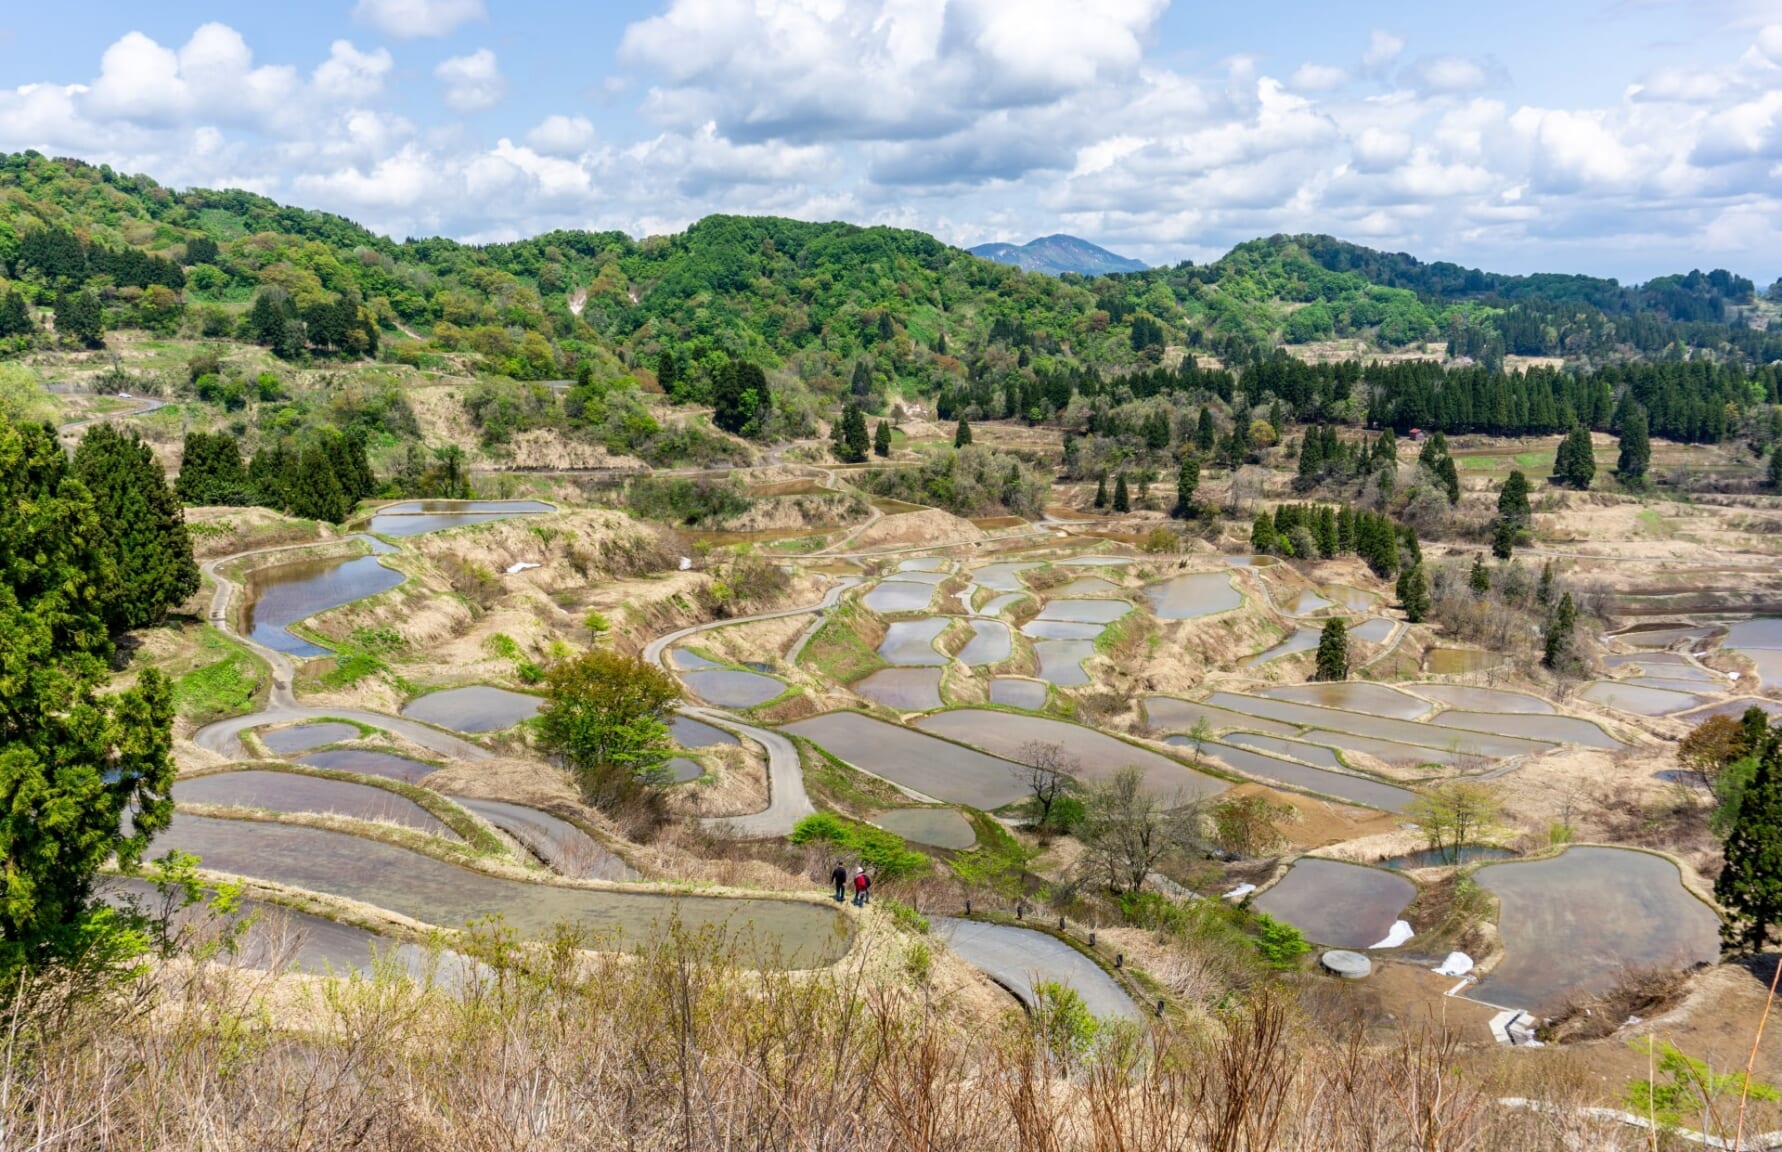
911,642
566,849
991,643
477,708
1098,755
303,737
1340,785
899,596
283,594
732,687
297,792
905,689
1193,595
417,517
1336,903
936,827
369,762
1017,693
921,763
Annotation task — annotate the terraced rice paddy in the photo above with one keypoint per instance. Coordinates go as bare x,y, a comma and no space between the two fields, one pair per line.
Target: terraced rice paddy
1381,727
936,827
1483,699
1098,755
480,708
560,845
1085,611
1173,714
1304,603
1300,640
1314,754
916,761
1375,631
1573,924
1061,661
997,605
905,689
991,643
1061,630
280,596
1087,586
1639,700
416,517
911,642
370,762
1734,708
1354,696
303,737
732,687
775,933
1458,661
272,791
1193,595
1005,577
1560,729
691,733
1018,693
899,596
685,661
1339,785
1335,903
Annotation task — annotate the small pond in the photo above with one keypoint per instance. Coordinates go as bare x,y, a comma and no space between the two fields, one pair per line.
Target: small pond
934,768
1571,925
1061,661
691,733
1085,611
1335,903
1354,696
1341,786
936,827
283,594
1193,595
731,688
1484,699
905,689
911,642
368,762
478,708
1097,754
899,596
564,848
1301,640
1640,701
416,517
1447,857
295,792
990,644
1086,586
1003,577
1018,693
775,933
303,737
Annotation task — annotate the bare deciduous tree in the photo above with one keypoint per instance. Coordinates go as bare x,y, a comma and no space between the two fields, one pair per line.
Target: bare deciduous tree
1128,830
1051,771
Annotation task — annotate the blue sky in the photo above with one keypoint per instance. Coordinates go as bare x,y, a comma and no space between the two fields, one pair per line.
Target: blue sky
1617,137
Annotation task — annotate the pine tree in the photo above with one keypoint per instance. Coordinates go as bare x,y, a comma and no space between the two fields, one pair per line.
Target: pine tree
141,527
1385,454
1775,474
1311,461
1413,593
1575,464
668,371
1512,502
210,471
1479,577
1503,538
1326,531
1557,644
1413,550
315,493
881,439
15,316
741,399
1122,500
1346,529
1187,480
1205,435
1333,652
1750,885
1262,533
1636,450
1068,458
962,434
1544,590
1101,491
849,435
79,317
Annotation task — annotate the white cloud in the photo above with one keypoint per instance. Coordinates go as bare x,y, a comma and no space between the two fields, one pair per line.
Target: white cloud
211,75
410,19
1441,74
1318,78
561,135
349,74
473,82
1382,48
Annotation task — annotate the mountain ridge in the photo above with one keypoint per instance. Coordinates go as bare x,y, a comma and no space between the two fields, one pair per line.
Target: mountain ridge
1057,254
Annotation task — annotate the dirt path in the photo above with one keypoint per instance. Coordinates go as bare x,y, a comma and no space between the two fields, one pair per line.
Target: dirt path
145,406
1020,958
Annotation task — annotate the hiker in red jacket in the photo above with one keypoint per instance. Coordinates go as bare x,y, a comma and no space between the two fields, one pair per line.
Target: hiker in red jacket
862,888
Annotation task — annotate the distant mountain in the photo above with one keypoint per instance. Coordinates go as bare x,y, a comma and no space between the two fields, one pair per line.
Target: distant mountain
1054,255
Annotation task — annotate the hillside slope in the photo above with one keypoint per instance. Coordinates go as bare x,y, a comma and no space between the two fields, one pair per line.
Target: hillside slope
1057,254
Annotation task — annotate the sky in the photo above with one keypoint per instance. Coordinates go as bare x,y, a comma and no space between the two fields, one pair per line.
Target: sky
1625,138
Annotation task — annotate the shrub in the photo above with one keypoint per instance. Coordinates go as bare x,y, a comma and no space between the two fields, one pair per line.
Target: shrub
882,852
1280,945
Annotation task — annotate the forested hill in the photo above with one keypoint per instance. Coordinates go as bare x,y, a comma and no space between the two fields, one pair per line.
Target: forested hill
1057,255
107,250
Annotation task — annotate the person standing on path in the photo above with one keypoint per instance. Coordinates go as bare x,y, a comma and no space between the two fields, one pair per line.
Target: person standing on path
839,877
862,888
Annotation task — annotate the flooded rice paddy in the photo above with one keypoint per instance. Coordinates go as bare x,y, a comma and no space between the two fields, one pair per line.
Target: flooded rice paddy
1354,696
733,688
911,642
685,660
1483,699
1381,727
1636,699
1734,708
914,760
1573,924
899,596
1098,755
935,827
369,762
1459,661
1447,858
303,737
1042,629
774,933
991,643
1018,693
1301,640
1335,903
691,733
295,792
1304,603
1386,751
1375,631
283,594
1061,661
477,708
925,564
996,605
1003,577
1315,754
1195,594
1173,714
1560,729
1339,785
1087,586
560,845
1085,611
417,517
905,689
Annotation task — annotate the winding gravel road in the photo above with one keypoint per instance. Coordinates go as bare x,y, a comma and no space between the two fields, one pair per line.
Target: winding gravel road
1018,958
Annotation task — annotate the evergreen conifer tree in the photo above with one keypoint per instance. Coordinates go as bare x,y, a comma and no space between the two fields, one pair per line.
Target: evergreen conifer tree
1512,502
1575,464
1262,533
15,316
1413,593
1750,885
1556,647
1333,652
141,527
1478,578
1101,491
80,318
210,471
1636,449
1187,480
881,439
668,371
1122,499
315,492
1503,538
1775,472
1544,590
1205,436
962,434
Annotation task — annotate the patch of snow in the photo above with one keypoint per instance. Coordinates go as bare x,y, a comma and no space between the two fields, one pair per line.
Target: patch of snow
1457,964
1241,891
686,563
523,565
1400,932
